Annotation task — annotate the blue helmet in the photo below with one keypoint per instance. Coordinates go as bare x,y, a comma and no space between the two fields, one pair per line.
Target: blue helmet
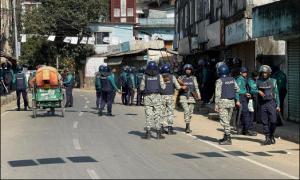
226,61
141,70
166,68
188,66
68,69
19,68
101,67
152,65
223,71
124,68
106,69
129,70
237,62
202,63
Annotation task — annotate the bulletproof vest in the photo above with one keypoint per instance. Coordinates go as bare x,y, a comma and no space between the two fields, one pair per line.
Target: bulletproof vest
139,78
72,83
189,83
129,81
122,78
97,79
20,80
152,83
169,90
228,90
268,89
105,84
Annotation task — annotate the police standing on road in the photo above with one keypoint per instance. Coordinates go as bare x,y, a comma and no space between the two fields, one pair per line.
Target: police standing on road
252,86
269,103
130,86
226,88
242,99
186,98
168,98
22,87
69,83
213,77
202,81
152,84
98,86
139,77
107,86
237,64
7,77
281,83
113,71
123,78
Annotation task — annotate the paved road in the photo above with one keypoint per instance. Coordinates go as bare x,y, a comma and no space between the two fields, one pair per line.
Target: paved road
83,145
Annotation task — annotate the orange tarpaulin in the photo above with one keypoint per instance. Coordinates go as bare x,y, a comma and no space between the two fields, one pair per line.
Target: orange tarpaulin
47,74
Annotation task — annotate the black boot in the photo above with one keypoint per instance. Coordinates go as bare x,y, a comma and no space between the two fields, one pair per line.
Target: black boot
147,136
226,140
170,131
18,109
97,106
159,136
223,139
267,141
240,131
187,128
162,129
112,115
251,133
273,141
100,113
25,108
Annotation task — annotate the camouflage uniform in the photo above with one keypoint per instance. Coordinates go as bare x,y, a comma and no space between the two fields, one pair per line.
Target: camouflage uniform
225,106
188,104
152,104
168,105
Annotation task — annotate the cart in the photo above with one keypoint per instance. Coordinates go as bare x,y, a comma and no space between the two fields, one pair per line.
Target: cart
47,91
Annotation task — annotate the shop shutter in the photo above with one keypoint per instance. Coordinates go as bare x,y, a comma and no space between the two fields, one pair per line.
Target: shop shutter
250,57
222,55
293,80
234,51
227,54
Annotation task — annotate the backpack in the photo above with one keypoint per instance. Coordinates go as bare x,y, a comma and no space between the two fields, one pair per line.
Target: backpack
8,77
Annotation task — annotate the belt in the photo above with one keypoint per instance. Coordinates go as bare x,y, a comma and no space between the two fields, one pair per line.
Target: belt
242,94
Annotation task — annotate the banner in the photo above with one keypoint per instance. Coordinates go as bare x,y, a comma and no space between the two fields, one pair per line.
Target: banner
91,40
23,38
83,40
74,40
51,38
67,39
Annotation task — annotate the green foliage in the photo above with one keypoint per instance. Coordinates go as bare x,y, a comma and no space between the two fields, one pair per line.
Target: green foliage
62,19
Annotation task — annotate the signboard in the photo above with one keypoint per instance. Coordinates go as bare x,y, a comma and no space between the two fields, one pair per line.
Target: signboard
157,14
184,45
125,46
114,49
214,34
92,65
238,32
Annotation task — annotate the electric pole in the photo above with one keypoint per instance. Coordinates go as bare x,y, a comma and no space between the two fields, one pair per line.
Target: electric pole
16,32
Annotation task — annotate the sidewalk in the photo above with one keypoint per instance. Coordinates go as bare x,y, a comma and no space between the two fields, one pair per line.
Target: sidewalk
290,130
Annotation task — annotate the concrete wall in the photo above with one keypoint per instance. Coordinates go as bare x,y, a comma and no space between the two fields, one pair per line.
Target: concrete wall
164,33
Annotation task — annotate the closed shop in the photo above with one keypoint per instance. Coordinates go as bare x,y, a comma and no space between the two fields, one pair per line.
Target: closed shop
293,79
246,52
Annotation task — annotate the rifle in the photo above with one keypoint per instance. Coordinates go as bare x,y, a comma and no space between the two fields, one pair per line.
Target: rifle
279,116
195,95
5,87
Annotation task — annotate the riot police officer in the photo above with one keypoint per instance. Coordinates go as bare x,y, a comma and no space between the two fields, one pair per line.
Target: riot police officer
123,78
237,64
269,103
107,86
226,88
69,83
139,77
152,83
168,98
130,86
113,71
226,61
22,87
187,99
98,85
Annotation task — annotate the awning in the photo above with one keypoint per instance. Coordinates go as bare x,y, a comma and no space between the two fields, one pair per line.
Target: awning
8,58
127,53
177,53
114,61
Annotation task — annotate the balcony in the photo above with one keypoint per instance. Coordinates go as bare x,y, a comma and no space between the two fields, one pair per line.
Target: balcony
156,22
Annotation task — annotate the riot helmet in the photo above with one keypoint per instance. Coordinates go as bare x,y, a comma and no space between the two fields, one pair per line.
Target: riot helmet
106,69
223,71
19,68
166,68
188,66
101,67
152,65
141,70
237,62
202,63
129,70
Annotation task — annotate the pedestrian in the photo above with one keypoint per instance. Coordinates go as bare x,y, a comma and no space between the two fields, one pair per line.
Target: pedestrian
113,71
139,77
107,87
187,93
202,81
152,84
225,93
130,86
252,86
69,83
235,72
167,96
242,99
123,78
269,103
98,86
22,87
280,77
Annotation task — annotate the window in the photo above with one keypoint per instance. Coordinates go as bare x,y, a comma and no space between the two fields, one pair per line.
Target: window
99,36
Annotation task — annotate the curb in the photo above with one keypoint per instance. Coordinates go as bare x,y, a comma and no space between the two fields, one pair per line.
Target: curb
12,97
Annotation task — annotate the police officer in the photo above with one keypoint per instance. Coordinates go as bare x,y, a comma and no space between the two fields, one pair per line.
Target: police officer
258,63
226,61
186,98
69,83
22,87
123,78
139,77
226,88
202,81
7,77
281,83
151,84
252,86
242,101
107,87
130,86
237,64
98,86
269,103
213,78
113,71
168,98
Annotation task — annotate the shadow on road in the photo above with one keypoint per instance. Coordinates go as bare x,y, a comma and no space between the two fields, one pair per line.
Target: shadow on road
186,156
212,154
